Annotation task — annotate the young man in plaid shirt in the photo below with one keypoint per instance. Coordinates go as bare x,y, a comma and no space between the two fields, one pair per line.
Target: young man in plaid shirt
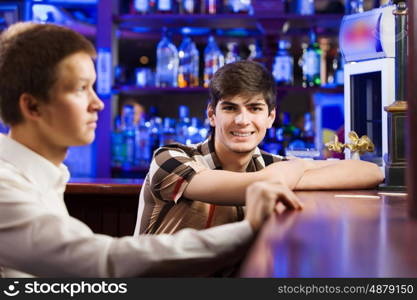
203,185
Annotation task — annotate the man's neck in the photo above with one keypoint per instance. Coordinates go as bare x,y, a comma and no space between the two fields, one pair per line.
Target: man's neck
38,143
232,161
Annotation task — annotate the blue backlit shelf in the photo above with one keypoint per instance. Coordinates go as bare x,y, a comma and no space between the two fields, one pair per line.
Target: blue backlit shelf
326,90
225,21
134,90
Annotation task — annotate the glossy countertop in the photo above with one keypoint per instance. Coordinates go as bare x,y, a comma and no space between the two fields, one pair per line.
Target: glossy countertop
338,234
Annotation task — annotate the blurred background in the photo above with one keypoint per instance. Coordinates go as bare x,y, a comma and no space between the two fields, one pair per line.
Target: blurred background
156,57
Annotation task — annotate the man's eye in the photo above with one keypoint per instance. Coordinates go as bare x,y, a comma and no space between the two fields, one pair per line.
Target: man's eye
82,88
228,108
257,108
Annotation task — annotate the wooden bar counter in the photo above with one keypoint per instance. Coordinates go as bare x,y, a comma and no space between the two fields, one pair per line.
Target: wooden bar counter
338,234
107,206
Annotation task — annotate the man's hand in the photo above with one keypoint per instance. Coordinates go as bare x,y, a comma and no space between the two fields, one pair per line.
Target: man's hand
263,197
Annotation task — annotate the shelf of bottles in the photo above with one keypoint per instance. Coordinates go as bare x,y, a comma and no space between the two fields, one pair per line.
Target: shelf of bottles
137,91
178,70
192,7
221,21
223,13
268,8
179,67
134,141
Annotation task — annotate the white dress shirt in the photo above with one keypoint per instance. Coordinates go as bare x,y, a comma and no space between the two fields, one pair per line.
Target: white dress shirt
39,237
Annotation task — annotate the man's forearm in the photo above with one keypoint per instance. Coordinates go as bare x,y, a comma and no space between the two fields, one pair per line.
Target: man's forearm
221,187
289,172
344,174
228,188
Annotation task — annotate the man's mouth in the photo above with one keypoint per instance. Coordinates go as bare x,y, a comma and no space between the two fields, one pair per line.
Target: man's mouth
92,124
242,134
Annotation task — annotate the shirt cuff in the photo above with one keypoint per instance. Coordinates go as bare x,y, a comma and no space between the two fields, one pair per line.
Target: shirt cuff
236,233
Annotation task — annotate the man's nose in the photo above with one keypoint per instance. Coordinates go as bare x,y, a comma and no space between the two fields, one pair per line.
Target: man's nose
96,102
242,118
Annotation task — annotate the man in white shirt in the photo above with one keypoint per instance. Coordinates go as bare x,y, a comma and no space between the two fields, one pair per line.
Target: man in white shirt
47,99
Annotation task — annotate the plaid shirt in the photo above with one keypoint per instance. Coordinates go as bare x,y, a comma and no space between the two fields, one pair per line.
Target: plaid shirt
162,206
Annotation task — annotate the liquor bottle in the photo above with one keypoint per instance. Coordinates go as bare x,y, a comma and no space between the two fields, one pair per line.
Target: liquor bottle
168,132
338,66
143,154
310,63
188,63
205,129
195,66
141,6
287,133
354,7
283,67
255,51
188,6
152,6
129,137
182,125
271,143
210,7
117,144
305,7
194,135
165,6
155,131
240,6
213,60
232,53
166,63
308,131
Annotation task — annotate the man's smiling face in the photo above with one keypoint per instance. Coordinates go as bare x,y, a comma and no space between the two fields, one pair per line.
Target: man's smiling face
240,122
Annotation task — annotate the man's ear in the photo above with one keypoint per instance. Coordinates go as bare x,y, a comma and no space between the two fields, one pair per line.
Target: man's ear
210,114
271,117
29,106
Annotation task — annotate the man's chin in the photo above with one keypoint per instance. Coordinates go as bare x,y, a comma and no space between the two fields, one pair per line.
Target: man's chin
242,150
84,141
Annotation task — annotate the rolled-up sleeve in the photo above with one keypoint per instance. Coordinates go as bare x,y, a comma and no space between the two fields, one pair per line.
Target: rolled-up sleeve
171,171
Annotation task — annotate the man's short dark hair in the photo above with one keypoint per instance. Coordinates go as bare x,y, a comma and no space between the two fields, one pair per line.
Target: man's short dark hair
245,78
29,55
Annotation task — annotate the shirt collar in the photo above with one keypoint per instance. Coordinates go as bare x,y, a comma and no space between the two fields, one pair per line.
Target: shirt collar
33,166
208,151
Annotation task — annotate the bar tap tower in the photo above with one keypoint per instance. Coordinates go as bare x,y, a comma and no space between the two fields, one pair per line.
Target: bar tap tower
367,42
